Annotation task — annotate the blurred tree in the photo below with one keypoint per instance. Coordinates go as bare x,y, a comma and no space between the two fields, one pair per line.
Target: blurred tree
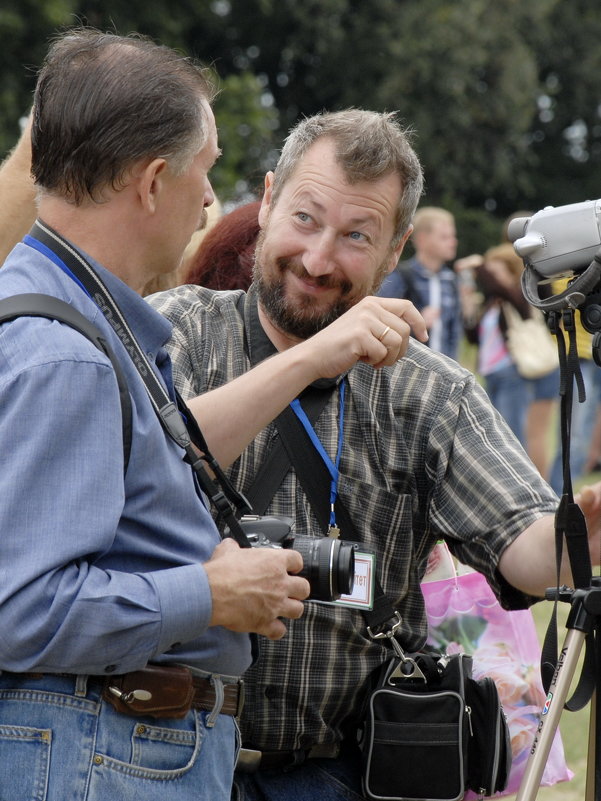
246,121
503,97
24,28
566,135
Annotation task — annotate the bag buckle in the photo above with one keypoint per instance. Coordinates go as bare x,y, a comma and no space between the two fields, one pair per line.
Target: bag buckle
407,667
390,632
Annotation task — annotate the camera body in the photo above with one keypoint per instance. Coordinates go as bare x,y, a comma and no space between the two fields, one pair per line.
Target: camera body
558,240
328,564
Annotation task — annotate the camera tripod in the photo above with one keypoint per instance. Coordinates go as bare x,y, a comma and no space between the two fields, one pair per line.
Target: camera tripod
583,618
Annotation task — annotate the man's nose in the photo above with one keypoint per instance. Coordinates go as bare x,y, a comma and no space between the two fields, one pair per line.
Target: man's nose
209,195
319,255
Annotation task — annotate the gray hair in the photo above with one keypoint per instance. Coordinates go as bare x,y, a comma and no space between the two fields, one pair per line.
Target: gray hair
369,146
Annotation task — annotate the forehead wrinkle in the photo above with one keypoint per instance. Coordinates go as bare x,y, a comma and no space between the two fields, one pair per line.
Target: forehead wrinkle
371,208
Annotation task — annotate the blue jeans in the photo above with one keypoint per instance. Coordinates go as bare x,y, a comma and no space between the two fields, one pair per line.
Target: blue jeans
316,780
59,740
509,394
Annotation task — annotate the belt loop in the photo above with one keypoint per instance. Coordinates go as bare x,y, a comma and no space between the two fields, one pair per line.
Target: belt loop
81,686
217,685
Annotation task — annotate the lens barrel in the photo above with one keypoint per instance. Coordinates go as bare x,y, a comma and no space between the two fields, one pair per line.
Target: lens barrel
328,566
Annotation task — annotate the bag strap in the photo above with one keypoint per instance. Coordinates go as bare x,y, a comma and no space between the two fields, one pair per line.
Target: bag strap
273,470
31,304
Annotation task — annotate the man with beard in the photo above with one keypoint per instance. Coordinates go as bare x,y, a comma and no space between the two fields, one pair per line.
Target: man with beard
420,452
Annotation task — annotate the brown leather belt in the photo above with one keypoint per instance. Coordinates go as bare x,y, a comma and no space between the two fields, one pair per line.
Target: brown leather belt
164,691
169,691
205,696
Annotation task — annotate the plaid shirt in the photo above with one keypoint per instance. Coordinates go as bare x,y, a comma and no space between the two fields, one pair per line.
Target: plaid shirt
425,456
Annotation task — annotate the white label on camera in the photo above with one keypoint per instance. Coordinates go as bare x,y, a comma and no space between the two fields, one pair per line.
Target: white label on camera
362,596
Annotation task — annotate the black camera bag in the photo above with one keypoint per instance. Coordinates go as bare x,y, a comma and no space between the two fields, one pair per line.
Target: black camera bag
431,731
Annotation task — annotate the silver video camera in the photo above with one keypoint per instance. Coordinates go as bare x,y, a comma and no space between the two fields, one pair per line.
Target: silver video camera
557,242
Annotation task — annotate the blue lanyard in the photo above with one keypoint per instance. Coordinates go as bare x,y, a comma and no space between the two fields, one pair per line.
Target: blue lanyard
50,254
332,468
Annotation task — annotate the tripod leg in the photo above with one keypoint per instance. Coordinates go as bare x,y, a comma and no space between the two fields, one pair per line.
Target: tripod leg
591,761
549,719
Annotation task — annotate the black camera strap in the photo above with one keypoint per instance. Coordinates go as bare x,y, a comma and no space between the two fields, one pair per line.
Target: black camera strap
570,522
277,463
177,420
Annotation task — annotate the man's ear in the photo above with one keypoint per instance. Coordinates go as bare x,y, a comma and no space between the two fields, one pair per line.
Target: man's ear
395,253
266,200
150,182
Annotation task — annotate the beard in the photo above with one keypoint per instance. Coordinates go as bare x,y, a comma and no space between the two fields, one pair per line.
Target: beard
301,317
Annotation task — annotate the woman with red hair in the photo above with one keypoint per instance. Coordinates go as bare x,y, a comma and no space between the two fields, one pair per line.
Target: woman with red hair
225,257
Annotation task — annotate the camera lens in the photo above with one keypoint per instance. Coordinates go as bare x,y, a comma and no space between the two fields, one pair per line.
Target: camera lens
328,565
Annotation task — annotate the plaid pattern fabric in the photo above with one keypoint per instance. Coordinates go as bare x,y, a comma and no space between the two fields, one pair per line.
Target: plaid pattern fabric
424,457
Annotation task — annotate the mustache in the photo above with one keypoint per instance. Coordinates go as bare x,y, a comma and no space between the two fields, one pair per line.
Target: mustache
204,219
285,264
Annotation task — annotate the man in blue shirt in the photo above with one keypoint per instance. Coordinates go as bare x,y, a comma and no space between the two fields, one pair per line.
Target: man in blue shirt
428,281
123,618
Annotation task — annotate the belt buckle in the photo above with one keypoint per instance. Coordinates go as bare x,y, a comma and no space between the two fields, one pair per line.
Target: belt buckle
248,760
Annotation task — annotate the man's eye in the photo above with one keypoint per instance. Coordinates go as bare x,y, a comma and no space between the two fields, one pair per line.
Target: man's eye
357,236
303,216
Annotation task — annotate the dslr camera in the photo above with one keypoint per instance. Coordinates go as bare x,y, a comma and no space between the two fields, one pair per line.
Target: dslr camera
328,564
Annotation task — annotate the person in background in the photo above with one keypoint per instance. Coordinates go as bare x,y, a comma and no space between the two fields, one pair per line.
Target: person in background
499,281
17,193
225,257
528,404
428,280
423,455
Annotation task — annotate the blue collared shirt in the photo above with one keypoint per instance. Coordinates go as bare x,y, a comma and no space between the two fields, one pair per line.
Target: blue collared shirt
99,573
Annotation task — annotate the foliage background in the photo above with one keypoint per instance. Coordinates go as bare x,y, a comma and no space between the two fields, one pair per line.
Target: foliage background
504,98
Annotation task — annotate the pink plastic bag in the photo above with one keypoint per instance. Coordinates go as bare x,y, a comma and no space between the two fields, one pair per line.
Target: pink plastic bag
464,616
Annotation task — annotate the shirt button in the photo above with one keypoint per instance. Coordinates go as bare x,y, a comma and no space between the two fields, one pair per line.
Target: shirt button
271,692
110,668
